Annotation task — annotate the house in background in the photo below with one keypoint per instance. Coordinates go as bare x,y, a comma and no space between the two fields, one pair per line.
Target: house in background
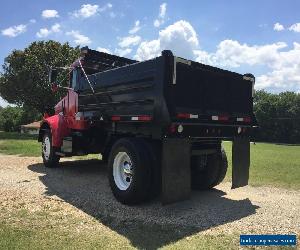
31,128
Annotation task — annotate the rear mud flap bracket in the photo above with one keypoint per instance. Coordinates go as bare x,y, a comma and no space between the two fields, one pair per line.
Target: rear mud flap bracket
240,161
176,172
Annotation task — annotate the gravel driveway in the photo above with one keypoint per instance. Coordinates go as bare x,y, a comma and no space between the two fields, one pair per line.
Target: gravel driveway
81,189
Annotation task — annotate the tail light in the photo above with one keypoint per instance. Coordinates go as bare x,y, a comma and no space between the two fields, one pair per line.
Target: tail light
172,129
246,119
220,118
183,116
115,118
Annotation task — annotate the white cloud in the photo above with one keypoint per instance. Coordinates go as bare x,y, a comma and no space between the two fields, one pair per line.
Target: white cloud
88,10
295,27
123,52
156,23
56,27
278,27
104,50
162,14
232,54
129,41
285,71
79,39
280,80
44,32
148,50
32,21
50,14
14,30
135,28
162,10
179,37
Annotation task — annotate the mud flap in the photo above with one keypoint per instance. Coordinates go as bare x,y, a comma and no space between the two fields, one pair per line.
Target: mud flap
176,172
240,161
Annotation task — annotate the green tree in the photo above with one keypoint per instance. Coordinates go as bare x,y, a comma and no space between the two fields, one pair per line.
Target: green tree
278,116
24,80
11,118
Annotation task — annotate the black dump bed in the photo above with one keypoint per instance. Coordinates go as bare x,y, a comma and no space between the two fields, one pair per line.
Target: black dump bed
206,89
168,88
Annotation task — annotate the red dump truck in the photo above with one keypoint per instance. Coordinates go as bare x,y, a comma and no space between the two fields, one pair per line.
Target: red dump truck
158,123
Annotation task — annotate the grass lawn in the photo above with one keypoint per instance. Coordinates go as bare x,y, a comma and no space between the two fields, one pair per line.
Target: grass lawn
27,238
26,145
46,229
19,144
271,165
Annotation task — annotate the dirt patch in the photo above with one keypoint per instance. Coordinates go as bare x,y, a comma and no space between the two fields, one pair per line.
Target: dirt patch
79,192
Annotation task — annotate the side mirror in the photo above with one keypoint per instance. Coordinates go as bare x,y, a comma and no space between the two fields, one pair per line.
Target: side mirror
52,80
54,87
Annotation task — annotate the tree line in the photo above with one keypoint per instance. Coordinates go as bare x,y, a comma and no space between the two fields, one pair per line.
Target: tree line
11,118
24,82
278,116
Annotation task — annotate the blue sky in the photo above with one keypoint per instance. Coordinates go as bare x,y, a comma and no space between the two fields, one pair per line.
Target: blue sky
261,37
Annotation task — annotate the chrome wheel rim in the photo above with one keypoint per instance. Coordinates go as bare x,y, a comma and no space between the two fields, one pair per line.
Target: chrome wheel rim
122,170
46,147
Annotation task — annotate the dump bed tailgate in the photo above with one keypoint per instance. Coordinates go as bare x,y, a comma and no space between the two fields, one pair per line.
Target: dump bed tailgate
206,91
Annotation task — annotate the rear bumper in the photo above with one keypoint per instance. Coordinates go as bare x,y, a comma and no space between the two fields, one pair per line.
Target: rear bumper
209,130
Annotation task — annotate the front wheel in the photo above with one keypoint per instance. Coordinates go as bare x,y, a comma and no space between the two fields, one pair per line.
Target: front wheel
50,159
130,165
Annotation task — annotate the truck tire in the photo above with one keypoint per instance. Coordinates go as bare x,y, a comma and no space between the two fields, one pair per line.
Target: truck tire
211,174
50,159
130,171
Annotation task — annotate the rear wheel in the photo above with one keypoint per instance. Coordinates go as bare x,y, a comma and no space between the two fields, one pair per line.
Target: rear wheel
208,170
130,170
50,159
